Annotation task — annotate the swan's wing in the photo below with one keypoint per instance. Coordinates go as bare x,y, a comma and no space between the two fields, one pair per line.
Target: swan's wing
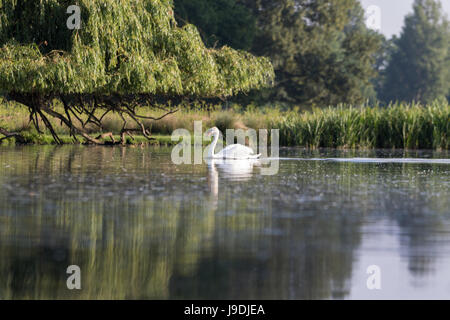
236,151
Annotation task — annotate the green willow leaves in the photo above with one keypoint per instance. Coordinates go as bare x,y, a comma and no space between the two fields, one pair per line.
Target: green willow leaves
123,47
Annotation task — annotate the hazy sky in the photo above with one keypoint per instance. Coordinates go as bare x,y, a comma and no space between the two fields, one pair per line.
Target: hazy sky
394,11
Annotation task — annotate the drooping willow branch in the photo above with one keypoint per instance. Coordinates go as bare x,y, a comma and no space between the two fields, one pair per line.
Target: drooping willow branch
8,135
77,107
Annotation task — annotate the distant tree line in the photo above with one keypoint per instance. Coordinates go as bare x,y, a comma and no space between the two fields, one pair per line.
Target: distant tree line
419,60
324,54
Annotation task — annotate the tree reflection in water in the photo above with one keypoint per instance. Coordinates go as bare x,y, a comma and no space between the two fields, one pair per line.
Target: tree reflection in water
141,227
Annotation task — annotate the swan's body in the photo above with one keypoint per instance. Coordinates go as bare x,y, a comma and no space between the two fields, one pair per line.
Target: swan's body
234,151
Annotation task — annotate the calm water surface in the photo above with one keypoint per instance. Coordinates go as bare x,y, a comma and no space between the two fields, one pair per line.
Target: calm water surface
140,227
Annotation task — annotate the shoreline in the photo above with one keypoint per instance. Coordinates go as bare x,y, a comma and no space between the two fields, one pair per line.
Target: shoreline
166,141
399,126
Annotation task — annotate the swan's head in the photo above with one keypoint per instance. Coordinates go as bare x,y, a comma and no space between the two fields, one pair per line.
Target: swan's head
213,131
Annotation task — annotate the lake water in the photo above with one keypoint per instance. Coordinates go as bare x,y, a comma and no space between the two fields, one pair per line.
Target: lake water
141,227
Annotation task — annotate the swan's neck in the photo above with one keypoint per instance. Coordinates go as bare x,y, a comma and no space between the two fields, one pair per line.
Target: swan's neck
212,146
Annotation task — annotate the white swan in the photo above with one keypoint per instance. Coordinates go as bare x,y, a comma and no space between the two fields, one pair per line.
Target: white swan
234,151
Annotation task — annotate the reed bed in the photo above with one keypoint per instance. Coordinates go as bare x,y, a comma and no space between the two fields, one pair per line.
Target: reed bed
396,126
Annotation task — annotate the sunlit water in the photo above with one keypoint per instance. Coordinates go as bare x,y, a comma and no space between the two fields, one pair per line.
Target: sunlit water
140,227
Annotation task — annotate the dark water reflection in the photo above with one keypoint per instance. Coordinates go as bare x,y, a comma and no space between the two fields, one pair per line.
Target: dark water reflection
141,227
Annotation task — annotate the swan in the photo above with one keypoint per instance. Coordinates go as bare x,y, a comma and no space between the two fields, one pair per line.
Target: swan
234,151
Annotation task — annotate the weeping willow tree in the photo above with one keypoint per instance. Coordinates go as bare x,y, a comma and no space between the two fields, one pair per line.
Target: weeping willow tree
126,54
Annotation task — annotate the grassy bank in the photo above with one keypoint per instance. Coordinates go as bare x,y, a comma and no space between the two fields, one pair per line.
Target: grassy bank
396,126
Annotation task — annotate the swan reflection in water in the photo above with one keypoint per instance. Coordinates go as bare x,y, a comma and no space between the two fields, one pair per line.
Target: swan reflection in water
229,169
